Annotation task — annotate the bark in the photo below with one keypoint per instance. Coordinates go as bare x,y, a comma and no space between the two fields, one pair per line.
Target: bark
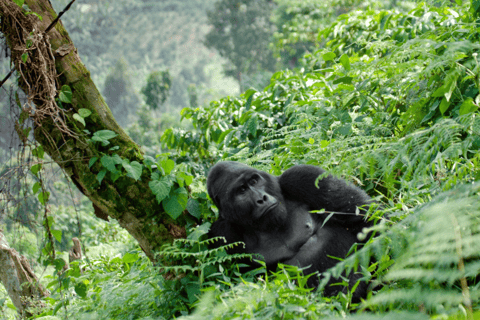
19,280
53,62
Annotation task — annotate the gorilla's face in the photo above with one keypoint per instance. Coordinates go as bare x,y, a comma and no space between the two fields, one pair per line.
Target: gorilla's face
247,196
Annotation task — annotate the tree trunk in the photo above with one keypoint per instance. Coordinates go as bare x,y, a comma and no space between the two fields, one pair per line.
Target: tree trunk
50,61
18,278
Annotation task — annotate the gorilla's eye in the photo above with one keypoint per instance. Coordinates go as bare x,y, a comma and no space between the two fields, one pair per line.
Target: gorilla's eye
242,189
253,181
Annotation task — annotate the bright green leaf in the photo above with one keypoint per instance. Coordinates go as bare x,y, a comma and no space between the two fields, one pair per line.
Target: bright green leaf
345,61
77,117
24,57
130,257
167,165
84,112
444,105
57,234
43,197
467,107
19,2
65,94
36,187
38,152
36,168
329,56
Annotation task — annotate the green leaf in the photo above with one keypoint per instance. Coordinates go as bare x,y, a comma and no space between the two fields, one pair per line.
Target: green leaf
101,175
36,187
252,125
103,136
329,56
24,57
57,234
184,177
193,207
346,80
110,162
134,169
167,165
467,106
79,118
59,263
160,188
444,105
81,289
84,112
43,197
35,168
249,96
19,2
130,257
92,162
176,203
65,94
38,152
345,61
324,143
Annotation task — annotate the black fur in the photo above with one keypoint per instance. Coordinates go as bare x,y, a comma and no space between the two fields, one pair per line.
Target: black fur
271,215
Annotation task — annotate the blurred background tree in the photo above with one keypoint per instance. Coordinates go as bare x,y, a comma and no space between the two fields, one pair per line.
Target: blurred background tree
241,32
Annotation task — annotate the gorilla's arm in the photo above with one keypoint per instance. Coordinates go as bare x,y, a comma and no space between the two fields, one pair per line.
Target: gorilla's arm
332,194
224,228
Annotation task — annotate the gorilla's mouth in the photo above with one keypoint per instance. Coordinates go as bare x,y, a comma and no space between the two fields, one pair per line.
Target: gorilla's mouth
268,209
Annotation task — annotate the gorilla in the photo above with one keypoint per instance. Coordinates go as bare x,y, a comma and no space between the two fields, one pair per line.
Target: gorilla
271,215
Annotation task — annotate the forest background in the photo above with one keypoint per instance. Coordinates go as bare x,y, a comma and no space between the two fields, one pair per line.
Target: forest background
384,94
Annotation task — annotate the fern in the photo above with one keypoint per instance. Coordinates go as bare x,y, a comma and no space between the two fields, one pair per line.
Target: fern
194,257
436,252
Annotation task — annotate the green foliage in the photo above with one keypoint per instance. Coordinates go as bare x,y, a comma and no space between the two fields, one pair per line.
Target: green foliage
390,103
157,88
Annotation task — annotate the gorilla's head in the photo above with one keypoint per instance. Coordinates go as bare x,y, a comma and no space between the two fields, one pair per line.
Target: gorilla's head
246,196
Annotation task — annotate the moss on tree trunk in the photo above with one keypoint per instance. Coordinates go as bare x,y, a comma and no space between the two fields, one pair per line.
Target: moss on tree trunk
130,202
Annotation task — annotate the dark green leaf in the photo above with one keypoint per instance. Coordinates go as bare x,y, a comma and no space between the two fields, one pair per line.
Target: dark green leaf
176,203
101,175
92,162
193,207
134,169
81,289
160,188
